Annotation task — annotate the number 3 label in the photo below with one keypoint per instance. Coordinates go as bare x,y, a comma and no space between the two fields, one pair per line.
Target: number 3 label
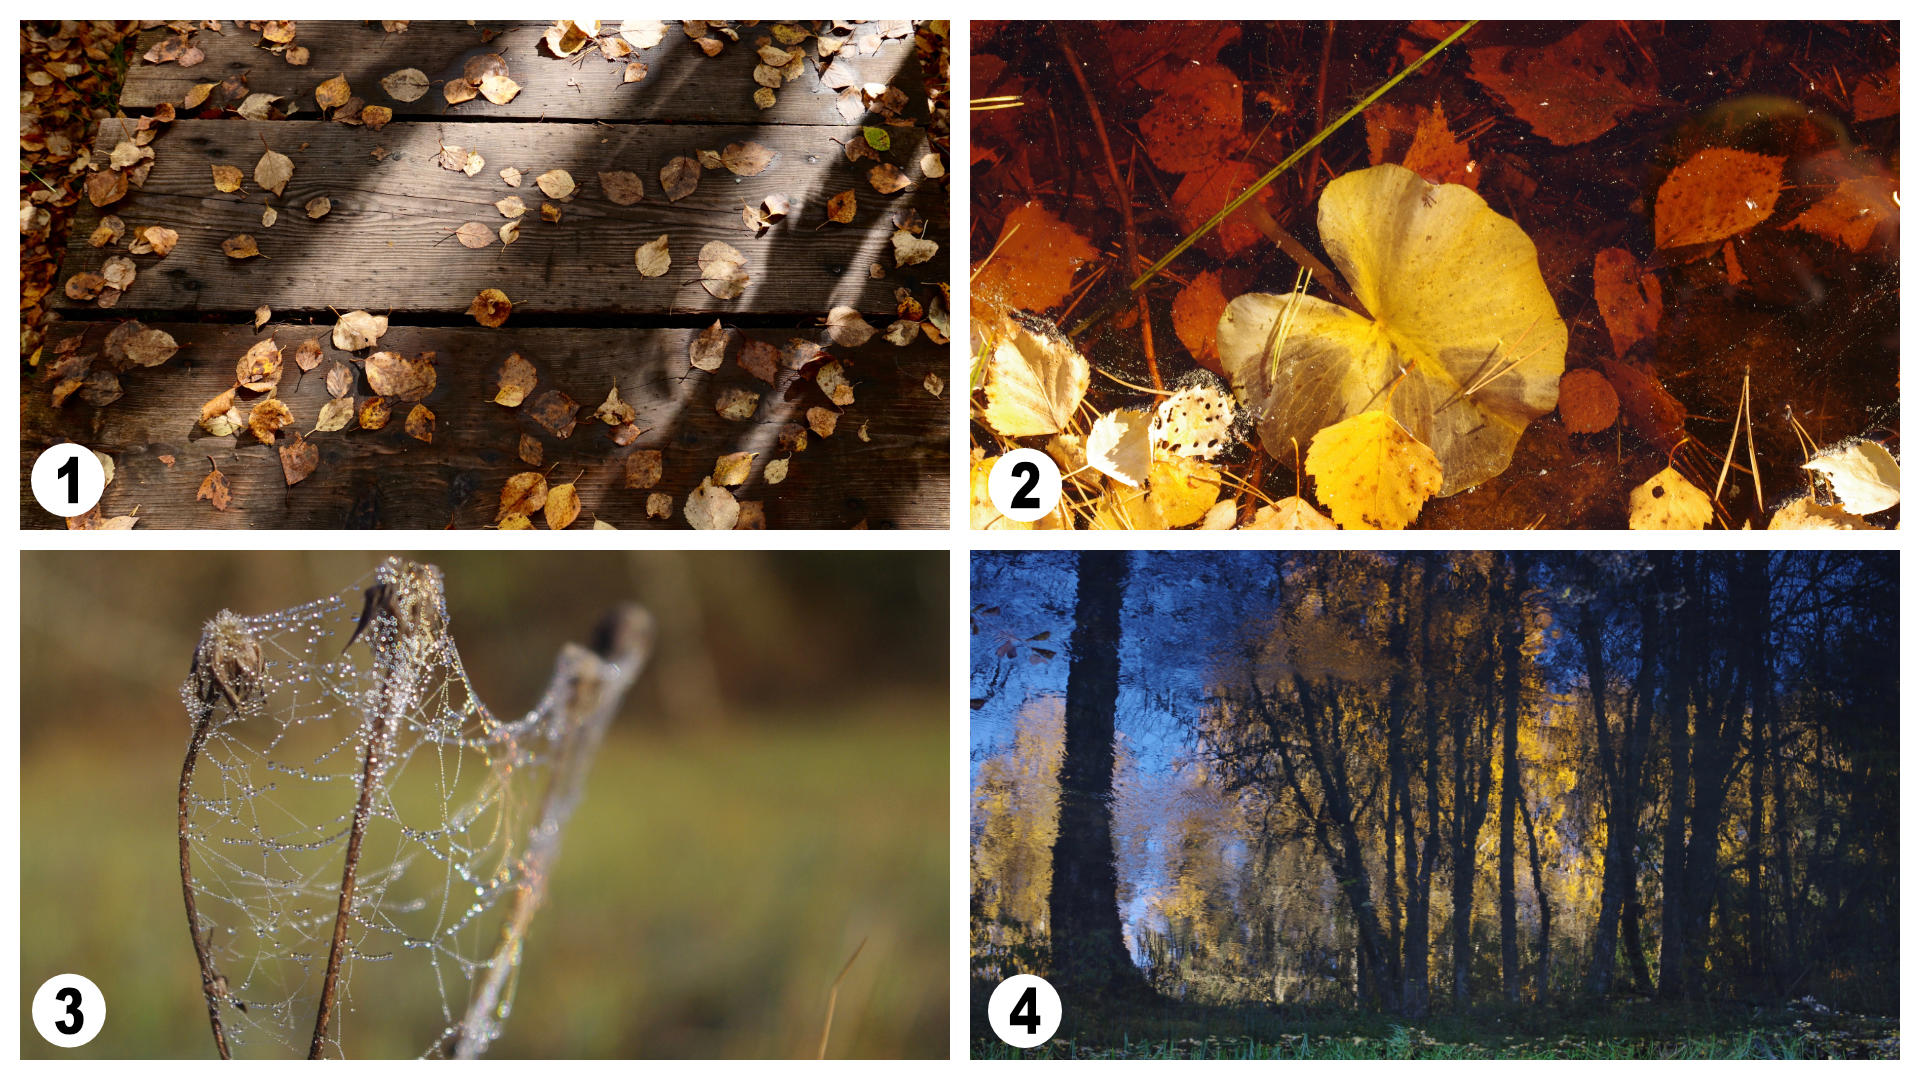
68,1010
1024,1011
1024,485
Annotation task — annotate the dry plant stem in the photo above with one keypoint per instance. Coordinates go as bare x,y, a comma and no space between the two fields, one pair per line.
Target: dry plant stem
209,979
349,875
833,995
1122,193
591,683
1319,109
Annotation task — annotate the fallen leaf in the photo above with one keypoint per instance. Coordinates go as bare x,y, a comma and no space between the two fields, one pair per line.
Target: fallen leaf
240,247
530,451
911,250
374,413
474,235
831,377
335,415
709,350
150,348
822,420
509,232
1032,265
710,507
1628,298
407,84
85,286
217,415
1180,490
511,176
523,493
358,330
902,332
643,33
333,93
566,37
407,378
842,207
651,258
732,470
1588,402
258,107
511,206
635,72
736,403
1464,329
887,178
516,379
118,272
268,417
563,506
679,177
613,412
260,316
549,212
298,459
932,167
554,411
225,178
746,158
621,188
1117,446
1197,422
1852,212
933,383
846,327
1292,512
516,521
105,188
268,217
1863,475
490,308
214,489
1807,513
498,89
1371,472
376,117
643,468
1715,194
776,471
108,231
459,91
340,380
556,184
1034,381
420,423
1572,91
197,94
723,270
261,367
660,505
1197,114
1668,501
1438,156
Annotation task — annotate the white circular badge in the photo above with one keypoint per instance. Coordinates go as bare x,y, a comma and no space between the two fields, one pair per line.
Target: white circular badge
1024,485
1024,1011
68,480
68,1010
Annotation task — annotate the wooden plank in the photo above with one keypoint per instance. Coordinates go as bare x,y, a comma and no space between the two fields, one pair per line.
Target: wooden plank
683,84
388,244
386,479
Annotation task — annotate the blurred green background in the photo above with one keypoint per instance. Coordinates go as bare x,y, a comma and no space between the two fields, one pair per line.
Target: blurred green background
774,791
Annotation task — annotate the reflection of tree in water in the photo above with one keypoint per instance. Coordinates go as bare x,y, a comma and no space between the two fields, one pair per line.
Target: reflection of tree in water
1312,804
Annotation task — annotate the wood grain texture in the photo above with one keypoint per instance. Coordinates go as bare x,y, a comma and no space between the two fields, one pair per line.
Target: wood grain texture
683,84
386,479
388,242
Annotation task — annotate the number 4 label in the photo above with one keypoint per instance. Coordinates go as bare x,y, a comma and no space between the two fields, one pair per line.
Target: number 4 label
1024,1011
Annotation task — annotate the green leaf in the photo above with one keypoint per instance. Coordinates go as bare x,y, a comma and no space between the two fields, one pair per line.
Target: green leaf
877,138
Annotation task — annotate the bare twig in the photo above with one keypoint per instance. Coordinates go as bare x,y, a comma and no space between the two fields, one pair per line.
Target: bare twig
211,982
833,995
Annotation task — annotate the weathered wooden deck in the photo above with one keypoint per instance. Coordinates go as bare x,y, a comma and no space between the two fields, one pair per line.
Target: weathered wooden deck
581,312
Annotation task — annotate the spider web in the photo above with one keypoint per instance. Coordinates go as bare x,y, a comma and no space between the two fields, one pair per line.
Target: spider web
446,875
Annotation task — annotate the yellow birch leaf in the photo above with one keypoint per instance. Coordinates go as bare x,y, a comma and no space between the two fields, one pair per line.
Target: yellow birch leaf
1668,501
1371,472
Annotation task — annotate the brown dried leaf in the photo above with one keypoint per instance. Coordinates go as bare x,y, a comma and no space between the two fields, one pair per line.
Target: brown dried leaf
340,378
358,330
732,470
911,250
736,403
1715,194
407,378
268,417
1588,402
511,175
333,93
420,423
554,411
226,178
643,468
516,379
474,235
298,459
240,247
119,272
723,270
613,412
822,420
376,117
679,178
761,359
1628,298
498,89
459,91
842,207
214,489
563,506
832,380
887,178
709,350
150,348
635,72
374,413
85,286
556,183
491,308
621,188
530,451
106,188
407,84
260,316
260,369
335,415
652,258
746,158
710,507
847,328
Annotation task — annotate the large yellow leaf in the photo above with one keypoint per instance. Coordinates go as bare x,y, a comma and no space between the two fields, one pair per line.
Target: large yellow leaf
1458,303
1034,381
1668,501
1371,473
